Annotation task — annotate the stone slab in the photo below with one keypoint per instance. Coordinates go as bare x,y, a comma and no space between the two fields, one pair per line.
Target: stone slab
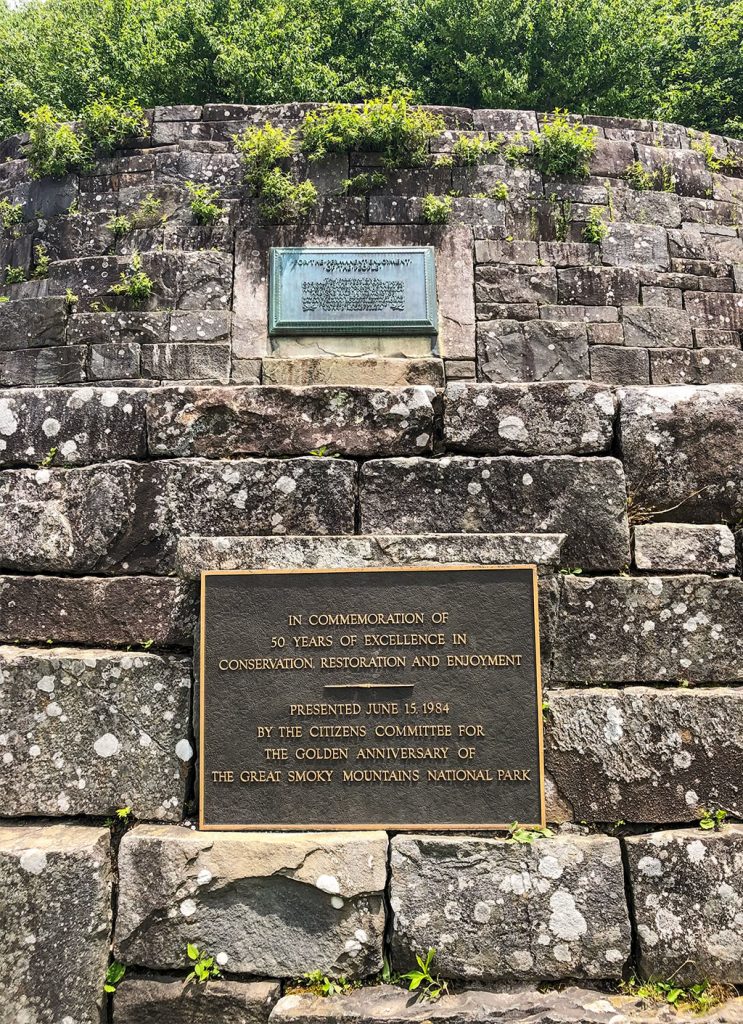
650,629
684,547
199,554
164,999
645,755
582,497
569,1005
529,419
682,456
126,515
95,610
72,426
341,371
271,420
86,731
32,323
494,910
273,904
687,892
538,350
56,885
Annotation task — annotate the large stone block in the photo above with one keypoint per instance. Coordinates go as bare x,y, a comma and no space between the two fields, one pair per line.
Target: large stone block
582,497
687,893
219,422
598,286
630,245
684,547
650,629
682,457
496,910
722,310
56,920
644,755
128,515
99,611
515,284
534,351
164,999
274,904
656,327
697,366
529,419
32,323
63,364
88,731
82,425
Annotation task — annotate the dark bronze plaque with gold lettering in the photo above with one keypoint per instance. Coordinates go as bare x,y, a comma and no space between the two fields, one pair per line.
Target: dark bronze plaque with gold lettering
370,698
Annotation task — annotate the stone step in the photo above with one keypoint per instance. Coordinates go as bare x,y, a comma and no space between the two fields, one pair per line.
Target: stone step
517,1005
165,999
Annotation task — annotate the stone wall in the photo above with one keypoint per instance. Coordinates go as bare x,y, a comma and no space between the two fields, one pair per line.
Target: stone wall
580,409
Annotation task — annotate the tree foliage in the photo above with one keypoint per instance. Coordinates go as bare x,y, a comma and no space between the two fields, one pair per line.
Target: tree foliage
676,60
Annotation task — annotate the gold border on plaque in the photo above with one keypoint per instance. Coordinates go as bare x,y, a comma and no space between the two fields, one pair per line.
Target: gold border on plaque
381,827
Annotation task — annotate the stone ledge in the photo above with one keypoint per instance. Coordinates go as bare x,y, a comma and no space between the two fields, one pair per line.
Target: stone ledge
687,889
199,554
164,999
88,731
274,904
341,370
494,910
645,755
56,921
684,547
525,1005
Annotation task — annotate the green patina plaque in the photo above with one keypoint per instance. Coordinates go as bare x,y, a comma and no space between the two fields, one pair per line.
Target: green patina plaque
353,290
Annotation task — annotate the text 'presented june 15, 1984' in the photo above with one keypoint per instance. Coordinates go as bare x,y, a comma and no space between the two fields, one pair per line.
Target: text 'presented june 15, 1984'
364,698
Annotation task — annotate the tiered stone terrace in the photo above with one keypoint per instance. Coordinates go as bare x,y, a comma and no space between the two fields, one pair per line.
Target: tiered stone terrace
580,409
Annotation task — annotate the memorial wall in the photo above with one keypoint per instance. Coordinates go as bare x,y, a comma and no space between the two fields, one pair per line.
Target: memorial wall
371,580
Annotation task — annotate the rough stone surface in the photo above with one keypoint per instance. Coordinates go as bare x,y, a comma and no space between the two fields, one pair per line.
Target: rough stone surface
523,1003
534,351
130,515
656,327
56,919
31,323
273,904
164,999
582,497
681,454
340,371
88,731
697,366
198,554
614,364
630,245
683,547
687,891
650,629
496,910
529,419
91,610
645,755
221,422
71,426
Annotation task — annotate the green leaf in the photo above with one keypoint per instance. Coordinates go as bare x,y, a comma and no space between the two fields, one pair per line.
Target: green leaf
193,951
415,982
109,988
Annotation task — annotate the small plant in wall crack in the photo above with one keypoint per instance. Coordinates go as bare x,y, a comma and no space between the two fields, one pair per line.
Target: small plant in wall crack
204,967
698,998
323,452
135,284
713,820
205,205
114,975
595,230
527,836
423,981
436,209
320,984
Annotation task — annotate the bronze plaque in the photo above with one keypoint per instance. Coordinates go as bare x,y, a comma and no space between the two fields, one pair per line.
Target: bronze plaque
370,698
